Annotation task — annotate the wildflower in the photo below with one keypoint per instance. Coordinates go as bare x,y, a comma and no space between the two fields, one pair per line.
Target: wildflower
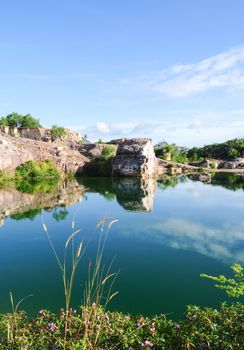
55,346
152,329
107,317
51,326
25,346
177,326
138,325
42,312
147,344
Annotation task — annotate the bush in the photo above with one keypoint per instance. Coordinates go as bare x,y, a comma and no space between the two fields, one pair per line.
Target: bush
233,153
108,152
57,132
212,165
34,171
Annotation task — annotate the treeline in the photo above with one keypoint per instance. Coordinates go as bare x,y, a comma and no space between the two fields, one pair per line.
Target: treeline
227,150
20,121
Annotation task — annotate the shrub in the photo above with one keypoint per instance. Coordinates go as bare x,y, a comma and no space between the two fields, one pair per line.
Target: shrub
212,165
57,132
34,171
234,287
233,153
108,152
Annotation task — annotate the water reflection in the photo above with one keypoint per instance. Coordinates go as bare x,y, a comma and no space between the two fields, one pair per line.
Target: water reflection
19,204
132,194
26,200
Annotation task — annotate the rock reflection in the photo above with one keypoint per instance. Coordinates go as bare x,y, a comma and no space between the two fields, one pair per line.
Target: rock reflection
135,194
20,205
132,194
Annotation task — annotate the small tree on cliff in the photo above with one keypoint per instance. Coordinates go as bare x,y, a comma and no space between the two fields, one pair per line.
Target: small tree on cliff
18,120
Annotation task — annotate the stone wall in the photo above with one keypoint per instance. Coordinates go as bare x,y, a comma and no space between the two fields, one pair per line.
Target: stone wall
135,158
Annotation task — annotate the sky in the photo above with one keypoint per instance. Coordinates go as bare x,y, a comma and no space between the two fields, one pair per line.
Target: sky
169,70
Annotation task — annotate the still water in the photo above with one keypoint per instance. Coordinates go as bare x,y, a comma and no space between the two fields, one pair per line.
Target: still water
169,231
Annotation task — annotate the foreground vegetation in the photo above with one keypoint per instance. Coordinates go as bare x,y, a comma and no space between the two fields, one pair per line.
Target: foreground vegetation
200,329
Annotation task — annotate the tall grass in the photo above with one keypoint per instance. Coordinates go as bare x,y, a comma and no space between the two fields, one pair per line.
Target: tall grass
98,289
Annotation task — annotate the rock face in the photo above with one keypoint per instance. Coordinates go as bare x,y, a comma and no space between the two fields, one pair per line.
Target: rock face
15,151
118,142
90,150
135,158
235,164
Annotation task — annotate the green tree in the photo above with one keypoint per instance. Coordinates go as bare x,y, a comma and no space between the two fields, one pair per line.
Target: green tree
29,122
18,120
14,119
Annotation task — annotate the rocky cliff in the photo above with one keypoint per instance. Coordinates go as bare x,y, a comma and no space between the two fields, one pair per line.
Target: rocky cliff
17,150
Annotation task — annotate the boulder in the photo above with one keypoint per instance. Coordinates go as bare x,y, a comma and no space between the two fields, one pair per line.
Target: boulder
135,158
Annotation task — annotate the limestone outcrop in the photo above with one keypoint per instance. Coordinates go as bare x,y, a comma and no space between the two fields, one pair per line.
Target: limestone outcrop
15,151
135,158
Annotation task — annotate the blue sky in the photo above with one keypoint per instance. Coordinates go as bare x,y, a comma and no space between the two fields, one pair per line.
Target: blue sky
170,70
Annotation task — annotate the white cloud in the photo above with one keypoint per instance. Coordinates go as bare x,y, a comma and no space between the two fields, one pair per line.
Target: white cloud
104,128
183,80
202,129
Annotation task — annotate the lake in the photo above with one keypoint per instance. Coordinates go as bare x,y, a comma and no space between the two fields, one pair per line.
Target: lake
168,232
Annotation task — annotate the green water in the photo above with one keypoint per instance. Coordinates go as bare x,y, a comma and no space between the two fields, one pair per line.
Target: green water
169,231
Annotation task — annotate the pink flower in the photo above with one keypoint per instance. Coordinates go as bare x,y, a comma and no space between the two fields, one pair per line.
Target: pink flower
51,326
